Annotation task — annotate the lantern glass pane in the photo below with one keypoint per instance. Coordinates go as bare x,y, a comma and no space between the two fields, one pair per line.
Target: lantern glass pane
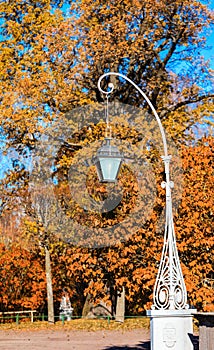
109,168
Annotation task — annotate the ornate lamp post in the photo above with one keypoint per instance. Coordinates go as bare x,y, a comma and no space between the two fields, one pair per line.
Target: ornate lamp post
170,318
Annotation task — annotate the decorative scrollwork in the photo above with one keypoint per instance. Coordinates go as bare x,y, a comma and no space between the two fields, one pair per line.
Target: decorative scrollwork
110,85
169,291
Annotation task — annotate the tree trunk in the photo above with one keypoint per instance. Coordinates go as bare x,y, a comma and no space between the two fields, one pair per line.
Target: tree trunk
87,306
120,307
49,286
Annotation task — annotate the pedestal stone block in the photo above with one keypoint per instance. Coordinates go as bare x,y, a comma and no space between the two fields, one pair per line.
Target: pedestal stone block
171,329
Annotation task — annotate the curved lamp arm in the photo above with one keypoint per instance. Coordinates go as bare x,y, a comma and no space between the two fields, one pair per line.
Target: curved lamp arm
144,96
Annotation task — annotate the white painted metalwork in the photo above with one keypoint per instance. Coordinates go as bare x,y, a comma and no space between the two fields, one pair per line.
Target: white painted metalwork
169,290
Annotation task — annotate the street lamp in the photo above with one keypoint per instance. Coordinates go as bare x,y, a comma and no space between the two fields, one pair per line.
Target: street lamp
108,161
170,317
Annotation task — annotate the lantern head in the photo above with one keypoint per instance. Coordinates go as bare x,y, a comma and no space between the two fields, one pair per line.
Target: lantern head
108,161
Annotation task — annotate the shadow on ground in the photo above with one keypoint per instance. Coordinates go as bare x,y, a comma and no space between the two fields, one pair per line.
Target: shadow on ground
146,345
139,346
195,341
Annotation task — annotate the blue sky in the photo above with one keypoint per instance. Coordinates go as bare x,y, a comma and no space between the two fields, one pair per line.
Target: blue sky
209,54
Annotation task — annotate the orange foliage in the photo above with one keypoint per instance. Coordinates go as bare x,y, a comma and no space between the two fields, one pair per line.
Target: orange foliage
22,280
41,81
194,223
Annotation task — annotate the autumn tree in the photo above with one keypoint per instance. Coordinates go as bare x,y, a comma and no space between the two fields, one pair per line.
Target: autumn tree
22,278
157,45
194,222
118,243
134,262
24,80
50,63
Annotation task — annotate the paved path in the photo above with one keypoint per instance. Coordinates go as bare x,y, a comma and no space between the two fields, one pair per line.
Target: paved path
74,340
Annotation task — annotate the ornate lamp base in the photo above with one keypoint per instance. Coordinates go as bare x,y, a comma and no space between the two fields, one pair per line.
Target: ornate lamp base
171,329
